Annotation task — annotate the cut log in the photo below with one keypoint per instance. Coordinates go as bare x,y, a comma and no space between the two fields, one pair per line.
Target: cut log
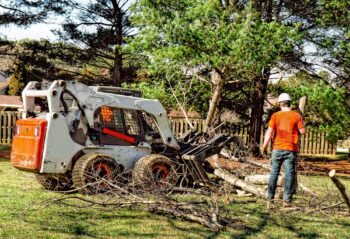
262,179
241,193
340,187
233,180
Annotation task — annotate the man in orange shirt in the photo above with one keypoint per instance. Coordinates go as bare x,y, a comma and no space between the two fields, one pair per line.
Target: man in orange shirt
284,127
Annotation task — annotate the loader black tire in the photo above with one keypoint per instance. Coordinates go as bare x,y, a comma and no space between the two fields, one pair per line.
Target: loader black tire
54,182
154,172
91,171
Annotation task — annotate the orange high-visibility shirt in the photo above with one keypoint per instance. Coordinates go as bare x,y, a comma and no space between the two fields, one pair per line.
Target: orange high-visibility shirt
286,125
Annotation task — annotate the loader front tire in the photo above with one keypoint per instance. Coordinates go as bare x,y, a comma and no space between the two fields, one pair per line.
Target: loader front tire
154,172
94,173
55,182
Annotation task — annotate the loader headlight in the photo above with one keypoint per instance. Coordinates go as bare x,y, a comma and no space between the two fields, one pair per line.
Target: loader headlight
17,130
36,131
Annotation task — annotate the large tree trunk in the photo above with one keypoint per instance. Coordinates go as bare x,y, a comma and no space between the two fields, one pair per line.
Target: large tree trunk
233,180
218,84
257,112
117,68
265,10
118,57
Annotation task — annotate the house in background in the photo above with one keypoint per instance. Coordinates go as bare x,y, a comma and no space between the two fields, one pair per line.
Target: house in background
4,83
8,102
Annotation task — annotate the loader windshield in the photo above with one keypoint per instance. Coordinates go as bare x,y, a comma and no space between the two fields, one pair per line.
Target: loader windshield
150,125
117,126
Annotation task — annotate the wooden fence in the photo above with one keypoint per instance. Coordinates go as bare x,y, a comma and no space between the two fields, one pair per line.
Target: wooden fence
7,123
313,142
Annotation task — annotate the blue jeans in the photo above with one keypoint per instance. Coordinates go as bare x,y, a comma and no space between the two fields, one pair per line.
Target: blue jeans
288,158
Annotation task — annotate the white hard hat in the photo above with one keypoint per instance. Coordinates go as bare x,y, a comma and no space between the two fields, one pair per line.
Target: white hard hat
284,97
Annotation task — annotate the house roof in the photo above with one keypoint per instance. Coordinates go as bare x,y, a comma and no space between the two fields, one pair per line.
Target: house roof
4,84
10,101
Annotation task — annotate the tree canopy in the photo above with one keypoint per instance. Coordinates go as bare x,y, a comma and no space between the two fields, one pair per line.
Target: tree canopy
212,39
24,12
200,54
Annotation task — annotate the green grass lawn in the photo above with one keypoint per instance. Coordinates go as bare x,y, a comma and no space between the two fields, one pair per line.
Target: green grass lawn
24,215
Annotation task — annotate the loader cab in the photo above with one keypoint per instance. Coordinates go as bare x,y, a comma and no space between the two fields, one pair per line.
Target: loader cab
117,126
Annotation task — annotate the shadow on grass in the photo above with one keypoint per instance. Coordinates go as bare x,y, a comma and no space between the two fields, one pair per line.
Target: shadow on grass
84,222
193,228
263,223
249,231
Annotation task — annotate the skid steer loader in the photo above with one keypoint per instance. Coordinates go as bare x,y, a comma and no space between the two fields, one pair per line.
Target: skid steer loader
70,131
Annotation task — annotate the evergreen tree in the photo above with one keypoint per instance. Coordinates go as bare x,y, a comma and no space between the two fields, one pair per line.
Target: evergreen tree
99,28
94,31
20,76
24,12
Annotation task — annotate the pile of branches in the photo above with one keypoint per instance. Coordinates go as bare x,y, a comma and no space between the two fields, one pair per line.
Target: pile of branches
197,204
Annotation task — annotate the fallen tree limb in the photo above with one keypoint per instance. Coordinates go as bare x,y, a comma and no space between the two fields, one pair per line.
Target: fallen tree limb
340,187
305,189
262,179
301,186
231,179
204,220
324,208
226,154
190,190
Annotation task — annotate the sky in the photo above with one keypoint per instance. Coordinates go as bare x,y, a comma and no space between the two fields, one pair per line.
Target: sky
36,31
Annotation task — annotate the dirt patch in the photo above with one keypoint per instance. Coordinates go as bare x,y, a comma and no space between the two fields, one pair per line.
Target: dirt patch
342,167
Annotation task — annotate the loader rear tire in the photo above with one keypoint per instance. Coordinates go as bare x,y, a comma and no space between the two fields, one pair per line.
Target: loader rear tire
154,172
93,172
54,182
